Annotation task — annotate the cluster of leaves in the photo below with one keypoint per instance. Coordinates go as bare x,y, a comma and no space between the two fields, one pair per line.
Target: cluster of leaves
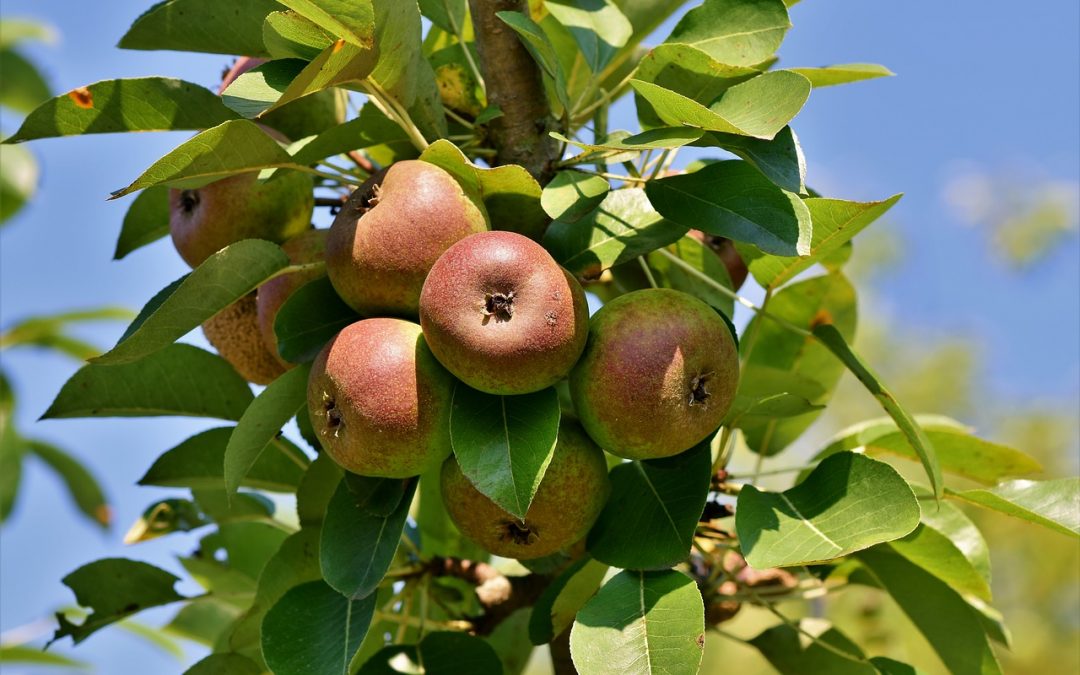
353,583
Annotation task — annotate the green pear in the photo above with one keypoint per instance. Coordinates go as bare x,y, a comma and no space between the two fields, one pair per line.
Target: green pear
379,401
658,374
205,220
502,315
569,499
385,239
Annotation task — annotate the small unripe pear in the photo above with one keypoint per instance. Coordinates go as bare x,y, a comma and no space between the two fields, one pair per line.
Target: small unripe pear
502,315
234,333
303,249
205,220
569,499
384,240
379,401
658,374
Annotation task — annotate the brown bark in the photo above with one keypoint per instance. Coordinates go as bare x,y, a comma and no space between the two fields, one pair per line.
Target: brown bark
513,83
499,595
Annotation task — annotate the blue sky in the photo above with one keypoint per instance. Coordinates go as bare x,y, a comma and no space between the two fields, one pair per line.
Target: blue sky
980,84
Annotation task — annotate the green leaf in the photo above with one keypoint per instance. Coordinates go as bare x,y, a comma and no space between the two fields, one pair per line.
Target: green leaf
505,443
204,621
277,83
828,335
351,20
113,589
1051,503
438,653
785,362
843,73
84,489
12,448
310,317
541,49
50,331
780,159
178,380
951,626
18,180
234,147
361,532
623,227
201,26
262,422
252,92
948,519
288,35
224,664
165,517
760,107
371,128
247,545
668,496
23,87
691,251
146,221
957,450
937,554
184,305
791,652
197,463
835,223
687,71
402,71
449,15
317,487
739,32
510,195
732,199
557,606
598,27
570,195
137,104
38,657
662,138
314,630
641,623
295,563
16,30
846,504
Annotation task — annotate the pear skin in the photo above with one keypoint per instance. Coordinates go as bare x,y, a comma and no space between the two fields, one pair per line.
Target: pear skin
567,503
234,333
502,315
658,374
379,401
384,240
303,249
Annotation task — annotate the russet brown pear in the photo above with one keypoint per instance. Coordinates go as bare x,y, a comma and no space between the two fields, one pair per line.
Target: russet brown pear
386,238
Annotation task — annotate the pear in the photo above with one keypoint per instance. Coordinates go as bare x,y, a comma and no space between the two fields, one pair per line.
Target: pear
234,333
303,249
379,402
658,374
385,239
205,220
502,315
569,499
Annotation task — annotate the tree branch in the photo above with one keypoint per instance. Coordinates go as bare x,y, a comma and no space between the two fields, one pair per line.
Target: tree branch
514,85
499,595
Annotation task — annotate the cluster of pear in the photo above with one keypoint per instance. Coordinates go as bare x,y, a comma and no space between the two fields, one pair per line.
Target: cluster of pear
452,303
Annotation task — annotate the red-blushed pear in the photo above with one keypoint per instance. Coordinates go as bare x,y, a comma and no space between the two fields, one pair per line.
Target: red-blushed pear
303,249
502,315
726,251
379,401
658,374
570,497
205,220
234,333
386,238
